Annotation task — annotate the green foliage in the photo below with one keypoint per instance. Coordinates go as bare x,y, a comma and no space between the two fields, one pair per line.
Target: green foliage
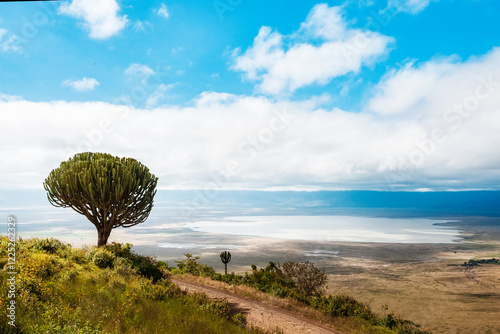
401,326
472,262
240,319
307,279
101,257
191,266
225,257
303,282
270,280
47,245
57,295
109,191
342,305
125,260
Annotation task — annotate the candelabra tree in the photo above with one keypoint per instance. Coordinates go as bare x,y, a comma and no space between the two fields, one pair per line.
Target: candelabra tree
225,257
110,191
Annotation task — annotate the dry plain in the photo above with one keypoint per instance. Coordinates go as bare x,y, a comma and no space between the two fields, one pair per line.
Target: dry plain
425,283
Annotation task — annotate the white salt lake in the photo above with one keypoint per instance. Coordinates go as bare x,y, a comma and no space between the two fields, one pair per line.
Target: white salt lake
333,228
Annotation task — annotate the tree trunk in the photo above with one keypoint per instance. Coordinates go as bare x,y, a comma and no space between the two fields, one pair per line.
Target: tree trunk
102,236
225,268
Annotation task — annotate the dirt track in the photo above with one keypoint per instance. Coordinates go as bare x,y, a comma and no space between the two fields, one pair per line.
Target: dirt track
259,314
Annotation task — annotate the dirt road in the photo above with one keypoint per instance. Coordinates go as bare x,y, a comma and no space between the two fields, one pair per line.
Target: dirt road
259,314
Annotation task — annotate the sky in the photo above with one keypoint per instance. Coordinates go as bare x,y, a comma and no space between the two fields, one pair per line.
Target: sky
399,95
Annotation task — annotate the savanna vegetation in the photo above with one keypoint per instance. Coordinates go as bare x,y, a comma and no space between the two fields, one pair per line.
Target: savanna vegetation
111,289
474,262
303,282
60,289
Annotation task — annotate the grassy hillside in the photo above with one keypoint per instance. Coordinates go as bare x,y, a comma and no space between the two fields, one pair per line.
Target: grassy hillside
60,289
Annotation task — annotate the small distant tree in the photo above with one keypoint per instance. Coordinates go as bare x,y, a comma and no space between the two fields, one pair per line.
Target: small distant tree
308,279
225,257
109,191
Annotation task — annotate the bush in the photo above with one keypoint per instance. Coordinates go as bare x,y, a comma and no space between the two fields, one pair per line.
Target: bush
240,319
190,266
473,262
57,295
308,279
145,265
69,275
101,257
124,266
342,305
304,283
270,280
47,245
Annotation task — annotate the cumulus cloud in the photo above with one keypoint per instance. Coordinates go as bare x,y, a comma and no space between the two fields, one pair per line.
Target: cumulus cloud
8,42
100,17
280,68
163,11
409,6
82,85
446,137
425,88
456,105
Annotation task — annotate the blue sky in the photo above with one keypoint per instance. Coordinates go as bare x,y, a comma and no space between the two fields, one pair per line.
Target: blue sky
382,95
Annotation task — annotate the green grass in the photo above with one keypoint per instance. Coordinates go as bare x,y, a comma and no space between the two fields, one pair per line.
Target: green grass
60,289
271,280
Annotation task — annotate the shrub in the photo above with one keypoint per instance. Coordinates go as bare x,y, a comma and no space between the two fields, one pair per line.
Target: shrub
121,250
56,295
4,245
73,255
219,307
146,266
473,262
47,245
69,275
308,279
101,257
269,280
190,266
240,319
124,266
342,305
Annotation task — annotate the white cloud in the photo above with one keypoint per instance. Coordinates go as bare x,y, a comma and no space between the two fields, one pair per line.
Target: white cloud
409,6
8,42
158,95
148,88
163,11
456,101
325,22
279,144
139,69
100,17
281,69
139,26
82,85
419,89
9,98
